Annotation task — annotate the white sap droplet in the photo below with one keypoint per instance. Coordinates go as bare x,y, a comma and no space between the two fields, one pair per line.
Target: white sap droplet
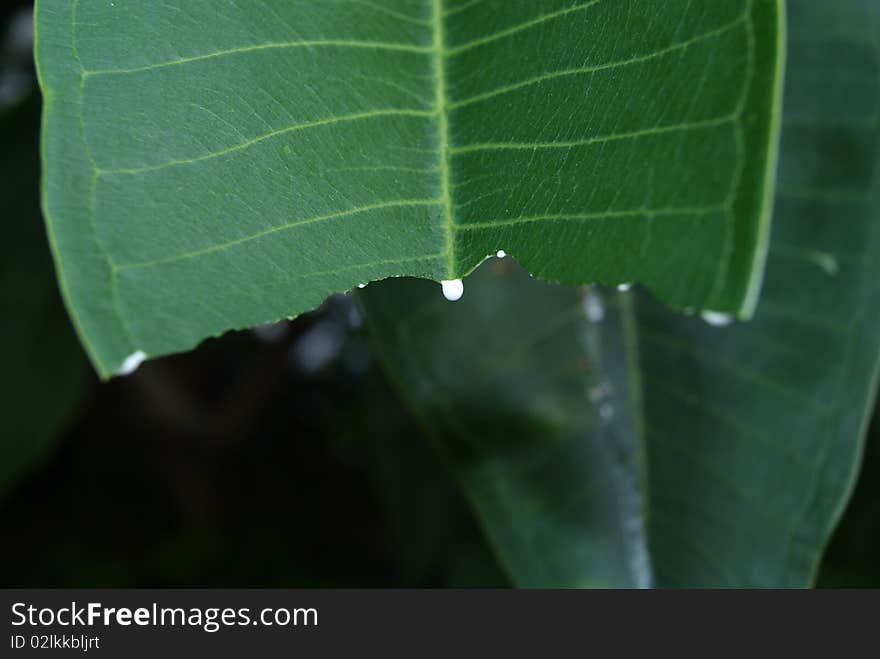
362,285
453,289
716,318
623,288
501,254
131,363
593,307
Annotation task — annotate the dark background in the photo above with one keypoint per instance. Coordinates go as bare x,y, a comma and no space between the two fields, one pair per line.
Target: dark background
278,457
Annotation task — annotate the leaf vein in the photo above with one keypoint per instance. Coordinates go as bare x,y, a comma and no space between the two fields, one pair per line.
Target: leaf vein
277,45
501,34
360,116
219,247
635,212
683,45
600,139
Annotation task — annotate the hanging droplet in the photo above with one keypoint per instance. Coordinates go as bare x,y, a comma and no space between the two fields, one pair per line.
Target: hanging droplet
131,363
453,289
362,285
716,318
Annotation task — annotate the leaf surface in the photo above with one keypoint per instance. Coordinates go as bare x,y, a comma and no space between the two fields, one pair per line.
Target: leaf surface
214,164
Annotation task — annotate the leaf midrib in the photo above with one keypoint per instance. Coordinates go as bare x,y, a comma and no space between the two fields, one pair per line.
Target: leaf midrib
441,104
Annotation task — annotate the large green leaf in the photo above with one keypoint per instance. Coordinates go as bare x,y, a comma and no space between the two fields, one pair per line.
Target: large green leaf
750,434
213,164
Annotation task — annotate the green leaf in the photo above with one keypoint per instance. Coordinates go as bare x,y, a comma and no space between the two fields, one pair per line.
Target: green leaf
503,381
748,436
215,164
44,371
755,431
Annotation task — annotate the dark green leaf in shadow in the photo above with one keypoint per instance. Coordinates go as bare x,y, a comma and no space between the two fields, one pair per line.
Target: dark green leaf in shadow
44,371
436,535
509,381
851,558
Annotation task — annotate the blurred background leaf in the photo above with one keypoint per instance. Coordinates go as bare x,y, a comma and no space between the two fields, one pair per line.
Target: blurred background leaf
438,537
755,431
851,558
510,383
